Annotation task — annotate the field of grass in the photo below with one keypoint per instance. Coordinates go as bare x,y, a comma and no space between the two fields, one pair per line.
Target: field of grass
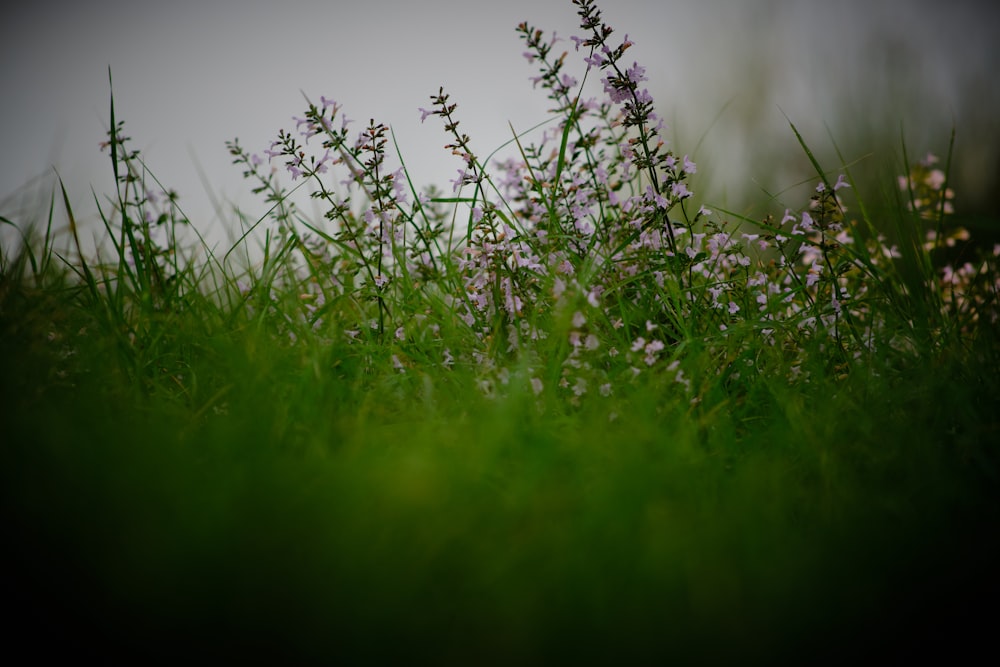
557,413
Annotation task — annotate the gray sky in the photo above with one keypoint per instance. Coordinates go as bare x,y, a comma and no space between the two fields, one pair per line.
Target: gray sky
191,74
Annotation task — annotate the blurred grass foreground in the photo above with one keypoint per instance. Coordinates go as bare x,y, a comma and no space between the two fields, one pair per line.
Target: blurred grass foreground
564,411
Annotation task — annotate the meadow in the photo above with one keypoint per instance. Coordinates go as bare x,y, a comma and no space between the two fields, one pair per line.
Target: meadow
556,410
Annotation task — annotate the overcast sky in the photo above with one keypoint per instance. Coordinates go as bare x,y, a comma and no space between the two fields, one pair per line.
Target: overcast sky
191,74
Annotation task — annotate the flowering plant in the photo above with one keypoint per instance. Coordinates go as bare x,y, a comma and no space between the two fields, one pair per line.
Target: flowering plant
584,252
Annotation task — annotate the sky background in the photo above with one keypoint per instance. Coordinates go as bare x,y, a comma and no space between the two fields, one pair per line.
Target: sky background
191,74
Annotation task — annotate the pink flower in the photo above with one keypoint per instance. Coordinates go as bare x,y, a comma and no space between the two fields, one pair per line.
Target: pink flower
935,179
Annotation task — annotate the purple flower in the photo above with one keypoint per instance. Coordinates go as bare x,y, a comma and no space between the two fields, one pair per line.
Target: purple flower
807,222
680,191
660,200
460,181
643,97
636,73
567,81
616,90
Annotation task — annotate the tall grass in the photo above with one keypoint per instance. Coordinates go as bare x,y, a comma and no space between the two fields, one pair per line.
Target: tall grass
561,411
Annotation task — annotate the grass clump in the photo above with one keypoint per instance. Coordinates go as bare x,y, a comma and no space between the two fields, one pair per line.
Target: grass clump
561,412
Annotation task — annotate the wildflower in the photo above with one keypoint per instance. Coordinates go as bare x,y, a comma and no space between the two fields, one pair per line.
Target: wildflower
680,191
807,222
462,179
652,349
715,292
935,180
813,276
680,379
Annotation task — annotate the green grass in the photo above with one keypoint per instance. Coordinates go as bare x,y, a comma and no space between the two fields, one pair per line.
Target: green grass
339,514
210,455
